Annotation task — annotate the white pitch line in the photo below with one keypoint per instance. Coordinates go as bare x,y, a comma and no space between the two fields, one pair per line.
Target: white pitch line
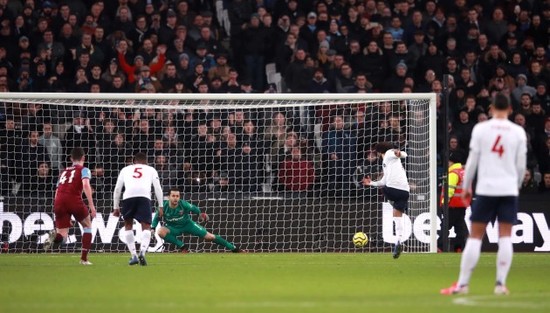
501,302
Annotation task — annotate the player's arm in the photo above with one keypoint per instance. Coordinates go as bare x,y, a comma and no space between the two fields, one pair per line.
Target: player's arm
471,163
203,217
158,193
521,158
397,154
117,192
86,176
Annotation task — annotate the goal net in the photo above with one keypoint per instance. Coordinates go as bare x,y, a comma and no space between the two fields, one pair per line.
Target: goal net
275,172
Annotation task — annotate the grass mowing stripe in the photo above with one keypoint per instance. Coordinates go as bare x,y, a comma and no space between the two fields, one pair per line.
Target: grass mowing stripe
286,282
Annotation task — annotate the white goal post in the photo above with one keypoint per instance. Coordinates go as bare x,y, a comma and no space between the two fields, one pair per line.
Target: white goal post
275,172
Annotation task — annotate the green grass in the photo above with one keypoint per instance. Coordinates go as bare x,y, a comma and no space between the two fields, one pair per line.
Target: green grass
265,283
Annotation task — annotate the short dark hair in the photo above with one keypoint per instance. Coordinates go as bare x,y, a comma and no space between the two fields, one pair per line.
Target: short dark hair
140,157
174,189
77,154
501,102
383,147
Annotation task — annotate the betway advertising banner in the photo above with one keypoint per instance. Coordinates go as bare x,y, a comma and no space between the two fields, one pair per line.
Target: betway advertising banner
275,225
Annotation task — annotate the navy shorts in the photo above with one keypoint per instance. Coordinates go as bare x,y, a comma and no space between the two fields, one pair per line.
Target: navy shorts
138,208
398,198
487,209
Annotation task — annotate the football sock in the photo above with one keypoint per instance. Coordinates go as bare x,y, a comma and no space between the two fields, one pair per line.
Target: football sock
86,243
145,241
222,242
58,238
131,242
470,256
399,228
504,258
173,239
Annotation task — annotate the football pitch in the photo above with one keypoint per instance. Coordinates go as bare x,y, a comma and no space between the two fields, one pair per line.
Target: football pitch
278,282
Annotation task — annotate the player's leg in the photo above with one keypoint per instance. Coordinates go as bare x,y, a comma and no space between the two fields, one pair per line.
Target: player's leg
199,231
128,211
86,240
483,211
170,235
58,235
507,215
82,215
143,215
400,199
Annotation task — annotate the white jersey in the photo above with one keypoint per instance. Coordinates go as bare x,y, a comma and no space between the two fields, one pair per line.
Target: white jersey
137,180
394,173
498,154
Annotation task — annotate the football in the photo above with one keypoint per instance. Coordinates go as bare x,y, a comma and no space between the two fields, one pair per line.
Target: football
360,239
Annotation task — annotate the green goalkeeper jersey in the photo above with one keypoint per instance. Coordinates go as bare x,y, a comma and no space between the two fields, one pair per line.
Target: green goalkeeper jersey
178,216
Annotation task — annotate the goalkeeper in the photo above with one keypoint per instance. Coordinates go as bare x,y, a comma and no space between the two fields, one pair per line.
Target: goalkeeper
177,221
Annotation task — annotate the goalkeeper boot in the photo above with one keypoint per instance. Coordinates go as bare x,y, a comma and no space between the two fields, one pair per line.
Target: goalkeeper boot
134,260
455,289
501,290
142,260
238,250
397,249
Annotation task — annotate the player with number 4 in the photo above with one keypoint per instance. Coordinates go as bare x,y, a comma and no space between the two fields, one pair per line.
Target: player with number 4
498,155
136,203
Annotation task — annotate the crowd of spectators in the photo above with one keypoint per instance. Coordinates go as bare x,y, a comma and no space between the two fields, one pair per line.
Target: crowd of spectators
215,46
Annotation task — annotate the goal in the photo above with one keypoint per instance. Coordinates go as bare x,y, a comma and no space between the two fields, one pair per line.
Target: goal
275,172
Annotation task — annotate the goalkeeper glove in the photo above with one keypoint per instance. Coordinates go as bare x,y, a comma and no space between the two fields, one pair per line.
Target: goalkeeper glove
203,217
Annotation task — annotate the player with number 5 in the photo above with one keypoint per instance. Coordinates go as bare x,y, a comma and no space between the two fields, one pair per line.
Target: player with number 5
68,201
136,203
498,154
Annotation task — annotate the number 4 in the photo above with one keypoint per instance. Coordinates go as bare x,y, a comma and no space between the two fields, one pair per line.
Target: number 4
498,148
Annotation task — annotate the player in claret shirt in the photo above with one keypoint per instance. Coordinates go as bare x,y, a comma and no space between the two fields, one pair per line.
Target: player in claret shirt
68,201
177,221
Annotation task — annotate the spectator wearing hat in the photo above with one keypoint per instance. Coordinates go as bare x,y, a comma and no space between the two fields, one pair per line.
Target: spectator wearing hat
132,71
309,29
167,31
522,88
221,69
111,71
204,57
184,66
179,45
145,79
206,38
396,81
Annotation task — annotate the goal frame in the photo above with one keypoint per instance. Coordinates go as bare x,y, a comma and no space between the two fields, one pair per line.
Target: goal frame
80,99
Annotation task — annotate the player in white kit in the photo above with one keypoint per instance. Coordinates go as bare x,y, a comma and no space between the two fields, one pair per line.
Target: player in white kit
136,203
395,187
498,154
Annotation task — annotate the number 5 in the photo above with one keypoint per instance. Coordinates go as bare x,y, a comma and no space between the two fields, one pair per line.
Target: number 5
137,172
498,148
